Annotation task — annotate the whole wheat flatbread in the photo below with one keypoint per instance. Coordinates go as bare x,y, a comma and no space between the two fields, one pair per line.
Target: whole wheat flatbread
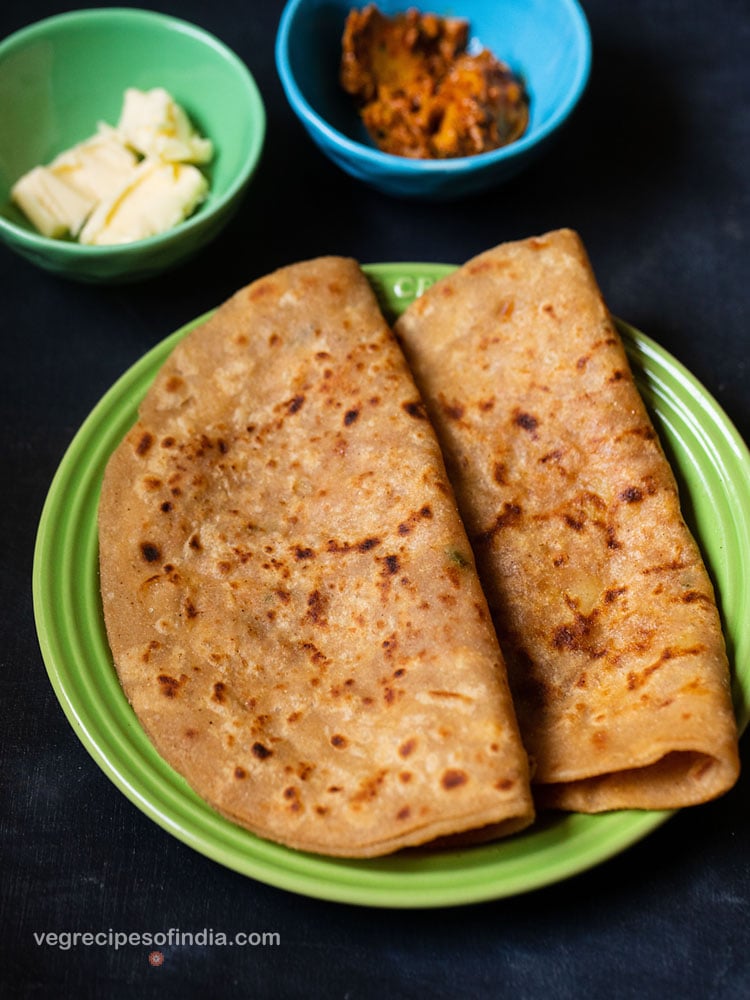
603,606
289,593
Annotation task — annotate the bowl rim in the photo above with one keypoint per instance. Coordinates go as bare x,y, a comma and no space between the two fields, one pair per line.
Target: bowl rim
457,164
39,243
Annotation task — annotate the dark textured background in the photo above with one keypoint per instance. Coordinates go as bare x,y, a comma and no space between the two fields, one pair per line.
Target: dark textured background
654,172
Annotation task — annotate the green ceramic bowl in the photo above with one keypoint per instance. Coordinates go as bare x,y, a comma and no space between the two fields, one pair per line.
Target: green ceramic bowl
61,76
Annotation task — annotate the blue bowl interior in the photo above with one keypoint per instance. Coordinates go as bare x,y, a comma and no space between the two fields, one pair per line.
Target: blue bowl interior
545,41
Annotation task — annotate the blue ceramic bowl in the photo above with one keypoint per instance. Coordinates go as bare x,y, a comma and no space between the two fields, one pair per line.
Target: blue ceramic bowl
547,42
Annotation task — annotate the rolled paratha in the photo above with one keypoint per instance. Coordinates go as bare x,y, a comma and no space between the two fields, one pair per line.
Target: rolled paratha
602,603
289,593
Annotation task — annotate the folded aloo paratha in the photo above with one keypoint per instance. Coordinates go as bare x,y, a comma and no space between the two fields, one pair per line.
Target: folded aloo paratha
603,606
289,593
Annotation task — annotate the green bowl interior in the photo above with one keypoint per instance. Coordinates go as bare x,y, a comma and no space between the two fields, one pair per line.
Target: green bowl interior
60,77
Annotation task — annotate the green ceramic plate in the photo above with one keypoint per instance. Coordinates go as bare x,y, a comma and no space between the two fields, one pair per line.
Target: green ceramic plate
713,466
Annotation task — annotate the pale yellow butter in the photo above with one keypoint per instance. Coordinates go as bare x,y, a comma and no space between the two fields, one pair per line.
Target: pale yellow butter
124,183
157,197
55,208
97,167
155,125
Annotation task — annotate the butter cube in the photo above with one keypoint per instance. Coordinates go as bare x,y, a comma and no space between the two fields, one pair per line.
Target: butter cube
155,125
97,167
54,207
157,197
